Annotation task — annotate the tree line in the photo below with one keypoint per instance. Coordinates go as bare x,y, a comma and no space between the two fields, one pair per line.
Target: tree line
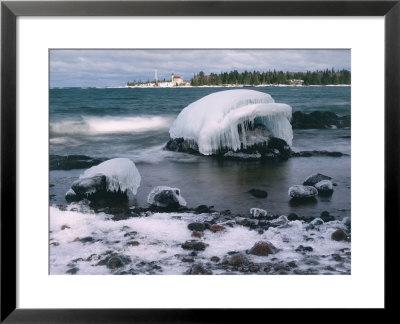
273,77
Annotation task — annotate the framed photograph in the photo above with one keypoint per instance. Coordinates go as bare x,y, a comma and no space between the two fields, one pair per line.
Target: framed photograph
181,154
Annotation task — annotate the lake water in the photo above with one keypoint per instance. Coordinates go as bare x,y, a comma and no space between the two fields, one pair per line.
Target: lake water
134,123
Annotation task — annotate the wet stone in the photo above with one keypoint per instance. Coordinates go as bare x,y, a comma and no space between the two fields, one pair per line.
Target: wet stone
133,243
327,217
217,228
187,260
197,234
198,269
263,248
258,193
215,259
238,259
117,262
302,248
198,227
194,245
293,217
72,270
339,235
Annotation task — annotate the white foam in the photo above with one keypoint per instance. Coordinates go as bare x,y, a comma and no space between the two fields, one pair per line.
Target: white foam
121,174
63,141
212,122
89,125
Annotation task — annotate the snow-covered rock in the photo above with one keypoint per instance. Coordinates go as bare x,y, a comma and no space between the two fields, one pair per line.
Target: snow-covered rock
256,212
299,191
119,174
162,196
280,221
324,186
115,176
222,120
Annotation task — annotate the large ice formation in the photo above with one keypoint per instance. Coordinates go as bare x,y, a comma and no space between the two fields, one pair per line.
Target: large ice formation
121,174
221,120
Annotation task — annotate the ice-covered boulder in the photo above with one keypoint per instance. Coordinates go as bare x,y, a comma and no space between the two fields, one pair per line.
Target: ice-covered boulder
115,176
299,191
231,120
324,187
165,197
256,212
315,178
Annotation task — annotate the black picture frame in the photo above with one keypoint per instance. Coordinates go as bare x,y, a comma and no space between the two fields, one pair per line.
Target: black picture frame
10,10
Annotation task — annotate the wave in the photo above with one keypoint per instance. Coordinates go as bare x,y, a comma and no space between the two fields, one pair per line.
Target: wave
89,125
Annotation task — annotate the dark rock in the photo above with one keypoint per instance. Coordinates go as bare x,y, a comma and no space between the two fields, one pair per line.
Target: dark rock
318,119
337,257
86,239
198,227
238,260
198,269
189,260
217,228
194,245
65,227
275,149
315,178
254,268
339,235
293,217
326,217
182,145
203,209
302,248
133,243
215,259
73,270
316,153
263,248
117,261
260,231
69,162
258,193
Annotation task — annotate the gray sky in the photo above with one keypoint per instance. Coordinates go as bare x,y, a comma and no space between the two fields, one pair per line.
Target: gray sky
85,68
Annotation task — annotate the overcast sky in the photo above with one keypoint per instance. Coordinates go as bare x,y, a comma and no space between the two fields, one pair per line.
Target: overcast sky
97,68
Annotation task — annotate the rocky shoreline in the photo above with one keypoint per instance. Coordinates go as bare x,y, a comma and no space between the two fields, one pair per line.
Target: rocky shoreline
206,224
260,258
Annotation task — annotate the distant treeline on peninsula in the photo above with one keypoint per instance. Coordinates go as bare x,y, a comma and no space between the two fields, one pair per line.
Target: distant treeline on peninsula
326,77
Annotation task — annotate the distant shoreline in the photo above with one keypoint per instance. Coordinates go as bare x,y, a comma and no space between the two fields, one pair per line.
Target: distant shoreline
212,86
242,86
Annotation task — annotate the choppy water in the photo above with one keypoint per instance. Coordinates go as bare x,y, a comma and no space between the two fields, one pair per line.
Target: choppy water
134,123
